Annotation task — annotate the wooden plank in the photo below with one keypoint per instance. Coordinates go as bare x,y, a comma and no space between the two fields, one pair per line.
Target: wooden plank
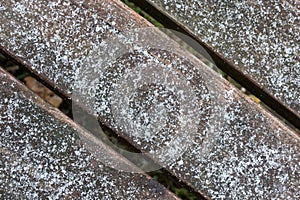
70,36
255,42
42,156
239,149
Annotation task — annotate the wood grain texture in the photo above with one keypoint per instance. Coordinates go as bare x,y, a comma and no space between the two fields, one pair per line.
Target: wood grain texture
42,155
255,42
235,148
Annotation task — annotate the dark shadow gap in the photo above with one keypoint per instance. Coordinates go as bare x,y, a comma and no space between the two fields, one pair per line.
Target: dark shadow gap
226,68
175,185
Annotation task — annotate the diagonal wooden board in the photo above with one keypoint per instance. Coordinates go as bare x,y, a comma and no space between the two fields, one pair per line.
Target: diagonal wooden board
256,42
238,148
42,155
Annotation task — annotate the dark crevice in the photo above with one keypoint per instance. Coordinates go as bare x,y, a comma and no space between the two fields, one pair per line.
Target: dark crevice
164,177
284,113
178,187
20,73
171,182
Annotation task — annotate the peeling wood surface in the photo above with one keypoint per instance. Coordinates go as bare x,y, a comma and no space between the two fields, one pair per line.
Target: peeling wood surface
42,156
236,148
260,39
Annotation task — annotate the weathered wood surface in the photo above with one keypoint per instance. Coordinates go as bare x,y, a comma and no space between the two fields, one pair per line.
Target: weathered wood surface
42,156
259,41
237,150
55,37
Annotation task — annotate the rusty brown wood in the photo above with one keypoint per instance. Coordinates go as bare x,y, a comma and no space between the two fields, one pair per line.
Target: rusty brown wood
237,148
255,42
42,155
